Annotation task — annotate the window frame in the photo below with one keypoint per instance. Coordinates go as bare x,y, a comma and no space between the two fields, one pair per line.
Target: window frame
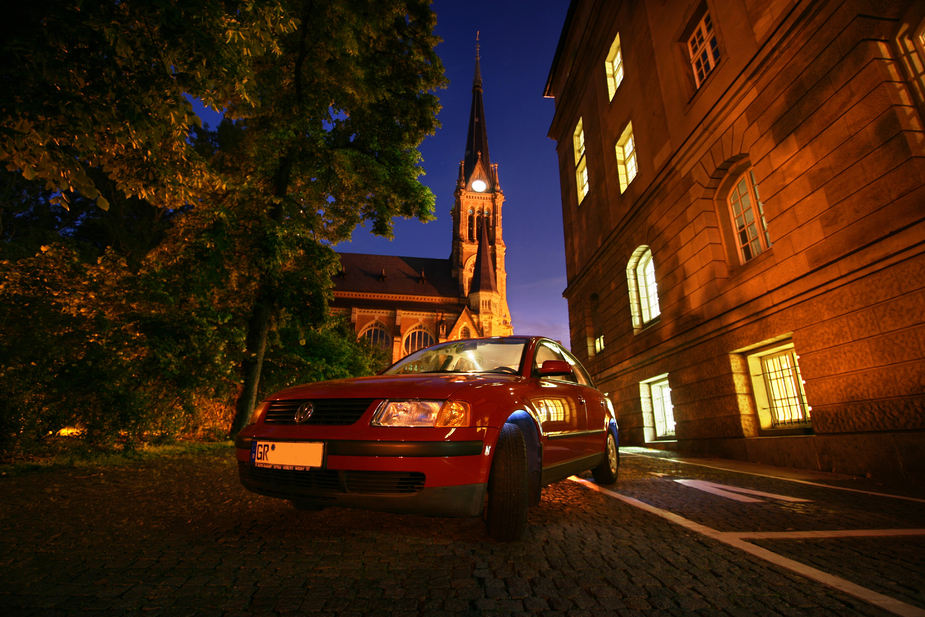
599,345
658,419
765,390
645,307
623,160
910,43
706,49
377,326
614,71
417,330
760,233
579,147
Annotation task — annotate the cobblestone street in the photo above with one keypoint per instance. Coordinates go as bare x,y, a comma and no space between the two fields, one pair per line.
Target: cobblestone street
179,536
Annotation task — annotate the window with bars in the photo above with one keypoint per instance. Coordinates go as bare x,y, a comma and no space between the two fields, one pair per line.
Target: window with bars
419,338
911,44
778,386
377,336
747,214
703,49
613,67
581,164
658,411
626,157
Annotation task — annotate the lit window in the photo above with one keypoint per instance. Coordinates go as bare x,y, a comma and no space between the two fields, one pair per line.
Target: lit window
419,338
377,336
581,167
640,276
599,343
613,67
750,228
579,142
626,157
581,178
657,409
911,45
778,387
703,49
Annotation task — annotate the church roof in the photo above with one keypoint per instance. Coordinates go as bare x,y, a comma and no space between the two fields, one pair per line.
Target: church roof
477,137
390,274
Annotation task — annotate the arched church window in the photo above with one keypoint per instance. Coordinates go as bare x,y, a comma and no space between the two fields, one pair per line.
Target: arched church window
418,338
471,226
468,271
377,336
464,332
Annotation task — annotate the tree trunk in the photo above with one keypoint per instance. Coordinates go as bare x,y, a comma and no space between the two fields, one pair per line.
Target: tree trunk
258,329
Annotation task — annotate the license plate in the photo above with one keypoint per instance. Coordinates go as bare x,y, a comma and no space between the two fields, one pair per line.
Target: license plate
295,455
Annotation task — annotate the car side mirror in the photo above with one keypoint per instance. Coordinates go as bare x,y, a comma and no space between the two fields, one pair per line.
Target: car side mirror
552,368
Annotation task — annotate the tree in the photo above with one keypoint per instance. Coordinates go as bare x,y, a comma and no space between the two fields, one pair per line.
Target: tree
325,103
331,139
103,85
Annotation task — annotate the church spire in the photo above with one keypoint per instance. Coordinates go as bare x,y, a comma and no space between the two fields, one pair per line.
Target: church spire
477,138
483,275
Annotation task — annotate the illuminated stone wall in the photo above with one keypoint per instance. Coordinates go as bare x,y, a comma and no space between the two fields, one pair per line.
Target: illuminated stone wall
818,101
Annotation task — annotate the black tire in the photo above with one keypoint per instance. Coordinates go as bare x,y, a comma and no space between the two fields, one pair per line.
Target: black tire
607,471
506,511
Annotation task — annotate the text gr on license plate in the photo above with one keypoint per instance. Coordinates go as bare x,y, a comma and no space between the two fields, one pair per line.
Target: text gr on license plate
295,455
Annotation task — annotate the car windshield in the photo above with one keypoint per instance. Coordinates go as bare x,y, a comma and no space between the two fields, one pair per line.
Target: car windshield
466,356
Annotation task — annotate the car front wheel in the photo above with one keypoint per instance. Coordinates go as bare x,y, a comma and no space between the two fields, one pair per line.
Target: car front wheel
606,472
506,512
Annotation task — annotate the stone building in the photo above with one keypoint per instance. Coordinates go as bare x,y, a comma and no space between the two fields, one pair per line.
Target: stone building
744,213
403,304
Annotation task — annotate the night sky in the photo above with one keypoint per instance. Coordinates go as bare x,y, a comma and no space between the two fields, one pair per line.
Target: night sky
517,44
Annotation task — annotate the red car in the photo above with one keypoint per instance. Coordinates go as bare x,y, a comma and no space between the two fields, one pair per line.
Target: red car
464,428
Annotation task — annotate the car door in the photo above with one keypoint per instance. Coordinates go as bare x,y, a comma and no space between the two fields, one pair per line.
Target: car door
560,405
597,415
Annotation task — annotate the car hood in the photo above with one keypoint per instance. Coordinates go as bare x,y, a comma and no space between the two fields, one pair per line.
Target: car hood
422,386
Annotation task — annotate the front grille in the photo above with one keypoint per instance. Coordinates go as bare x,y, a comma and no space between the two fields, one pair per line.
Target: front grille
336,481
331,411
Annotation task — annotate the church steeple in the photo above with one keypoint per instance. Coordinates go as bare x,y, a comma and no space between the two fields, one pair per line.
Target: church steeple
477,137
477,258
483,274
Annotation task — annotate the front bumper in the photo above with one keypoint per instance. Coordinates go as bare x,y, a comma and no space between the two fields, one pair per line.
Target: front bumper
444,478
373,490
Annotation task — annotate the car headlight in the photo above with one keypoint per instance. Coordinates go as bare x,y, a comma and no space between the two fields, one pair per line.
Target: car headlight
409,413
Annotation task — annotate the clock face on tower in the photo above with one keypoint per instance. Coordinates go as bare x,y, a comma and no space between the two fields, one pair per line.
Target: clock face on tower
479,186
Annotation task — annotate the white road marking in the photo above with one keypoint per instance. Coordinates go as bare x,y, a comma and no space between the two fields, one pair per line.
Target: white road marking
734,492
897,607
815,535
764,475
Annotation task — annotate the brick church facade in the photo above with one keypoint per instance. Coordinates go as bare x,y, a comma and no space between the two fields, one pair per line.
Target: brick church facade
403,304
743,194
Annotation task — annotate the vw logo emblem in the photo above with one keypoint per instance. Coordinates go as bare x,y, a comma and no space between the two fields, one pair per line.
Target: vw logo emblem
304,412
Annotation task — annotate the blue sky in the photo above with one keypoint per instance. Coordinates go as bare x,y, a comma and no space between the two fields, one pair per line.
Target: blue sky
517,42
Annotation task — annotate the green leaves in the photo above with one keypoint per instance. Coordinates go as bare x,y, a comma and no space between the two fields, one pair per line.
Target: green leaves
177,236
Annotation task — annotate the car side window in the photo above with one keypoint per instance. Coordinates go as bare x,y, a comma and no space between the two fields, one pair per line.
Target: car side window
547,351
580,372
